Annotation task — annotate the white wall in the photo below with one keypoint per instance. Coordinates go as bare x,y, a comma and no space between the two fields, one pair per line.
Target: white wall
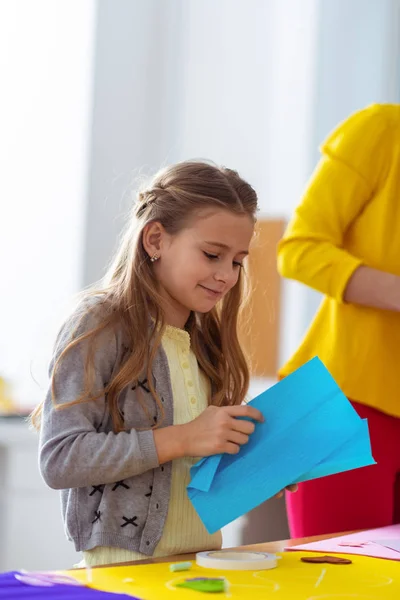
45,105
248,86
135,113
224,109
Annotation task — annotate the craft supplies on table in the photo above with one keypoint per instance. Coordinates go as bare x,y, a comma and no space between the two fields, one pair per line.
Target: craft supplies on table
292,579
378,543
225,560
182,566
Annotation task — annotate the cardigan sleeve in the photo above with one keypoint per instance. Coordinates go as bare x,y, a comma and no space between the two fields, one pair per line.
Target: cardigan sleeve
72,451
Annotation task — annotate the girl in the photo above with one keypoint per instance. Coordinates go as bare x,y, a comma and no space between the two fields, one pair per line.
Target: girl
344,241
148,372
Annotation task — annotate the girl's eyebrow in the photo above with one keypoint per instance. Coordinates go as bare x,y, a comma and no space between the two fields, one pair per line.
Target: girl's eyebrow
225,247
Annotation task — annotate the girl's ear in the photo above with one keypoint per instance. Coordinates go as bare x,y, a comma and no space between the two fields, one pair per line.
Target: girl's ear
152,238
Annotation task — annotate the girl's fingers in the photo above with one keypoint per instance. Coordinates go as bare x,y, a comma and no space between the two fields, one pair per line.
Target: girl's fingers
292,488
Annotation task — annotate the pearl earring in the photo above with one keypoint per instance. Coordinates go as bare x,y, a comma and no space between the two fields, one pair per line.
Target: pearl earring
154,258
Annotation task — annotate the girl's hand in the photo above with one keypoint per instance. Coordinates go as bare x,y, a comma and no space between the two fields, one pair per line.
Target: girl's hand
289,488
218,430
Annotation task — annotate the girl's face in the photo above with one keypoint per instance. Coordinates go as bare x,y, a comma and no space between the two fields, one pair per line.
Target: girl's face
201,263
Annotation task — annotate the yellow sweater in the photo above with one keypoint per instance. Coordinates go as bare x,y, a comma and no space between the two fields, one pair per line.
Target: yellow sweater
348,216
183,530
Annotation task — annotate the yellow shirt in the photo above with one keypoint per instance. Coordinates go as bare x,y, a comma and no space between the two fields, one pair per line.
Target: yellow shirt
348,216
183,530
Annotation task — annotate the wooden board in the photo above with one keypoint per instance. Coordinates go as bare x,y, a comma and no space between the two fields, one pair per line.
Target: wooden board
366,578
259,329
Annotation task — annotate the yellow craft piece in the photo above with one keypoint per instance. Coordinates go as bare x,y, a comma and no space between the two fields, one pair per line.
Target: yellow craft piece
365,579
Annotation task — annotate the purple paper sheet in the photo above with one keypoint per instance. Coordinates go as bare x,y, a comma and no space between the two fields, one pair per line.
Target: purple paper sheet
12,589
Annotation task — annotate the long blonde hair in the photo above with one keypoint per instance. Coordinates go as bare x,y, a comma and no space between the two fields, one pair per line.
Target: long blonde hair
129,290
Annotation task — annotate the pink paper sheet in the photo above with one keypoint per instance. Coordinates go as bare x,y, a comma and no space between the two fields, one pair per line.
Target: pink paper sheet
366,540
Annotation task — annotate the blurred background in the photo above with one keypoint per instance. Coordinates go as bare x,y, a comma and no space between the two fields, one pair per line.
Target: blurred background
97,93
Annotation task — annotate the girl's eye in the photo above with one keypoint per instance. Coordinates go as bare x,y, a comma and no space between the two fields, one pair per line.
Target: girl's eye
211,256
216,257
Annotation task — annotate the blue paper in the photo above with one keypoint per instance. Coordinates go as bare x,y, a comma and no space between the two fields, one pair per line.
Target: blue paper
357,451
310,430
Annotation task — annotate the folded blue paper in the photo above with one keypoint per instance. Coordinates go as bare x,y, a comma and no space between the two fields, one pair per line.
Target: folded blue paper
311,430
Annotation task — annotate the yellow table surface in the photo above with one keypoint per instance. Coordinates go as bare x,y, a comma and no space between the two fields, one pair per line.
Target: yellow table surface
365,579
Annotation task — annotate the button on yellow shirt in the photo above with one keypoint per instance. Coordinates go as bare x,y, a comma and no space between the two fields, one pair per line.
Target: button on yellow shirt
183,530
349,216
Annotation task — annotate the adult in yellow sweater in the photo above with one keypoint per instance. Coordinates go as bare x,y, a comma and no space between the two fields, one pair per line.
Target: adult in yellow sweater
344,241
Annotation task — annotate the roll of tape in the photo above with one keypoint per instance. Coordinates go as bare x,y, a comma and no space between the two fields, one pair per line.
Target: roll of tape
232,560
